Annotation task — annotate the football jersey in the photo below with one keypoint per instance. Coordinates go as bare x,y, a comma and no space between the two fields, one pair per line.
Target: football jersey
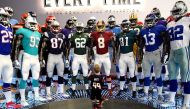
115,30
6,35
30,40
137,28
96,81
126,41
101,40
152,37
161,21
80,42
179,33
55,42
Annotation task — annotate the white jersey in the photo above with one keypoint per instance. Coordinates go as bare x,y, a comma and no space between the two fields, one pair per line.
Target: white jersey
179,33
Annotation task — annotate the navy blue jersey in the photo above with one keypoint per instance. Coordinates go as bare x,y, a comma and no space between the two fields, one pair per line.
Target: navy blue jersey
55,42
6,35
152,37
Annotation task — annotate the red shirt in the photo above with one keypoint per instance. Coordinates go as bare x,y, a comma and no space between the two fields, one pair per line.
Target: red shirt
101,40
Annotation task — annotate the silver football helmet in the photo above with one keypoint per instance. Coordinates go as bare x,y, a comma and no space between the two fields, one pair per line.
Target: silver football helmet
179,9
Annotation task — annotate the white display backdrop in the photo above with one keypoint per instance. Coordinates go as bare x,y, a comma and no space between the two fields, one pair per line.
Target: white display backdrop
96,8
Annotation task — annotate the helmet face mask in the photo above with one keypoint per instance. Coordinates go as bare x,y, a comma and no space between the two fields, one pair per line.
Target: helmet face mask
179,9
111,21
4,17
49,20
31,23
55,27
133,19
79,27
9,10
90,24
133,22
150,20
125,25
69,24
100,26
156,12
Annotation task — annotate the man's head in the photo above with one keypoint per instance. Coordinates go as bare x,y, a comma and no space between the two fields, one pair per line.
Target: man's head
97,69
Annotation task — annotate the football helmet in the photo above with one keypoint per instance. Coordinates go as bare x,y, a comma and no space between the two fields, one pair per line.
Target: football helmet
133,19
4,19
91,23
23,17
74,19
9,10
69,24
100,26
111,21
93,19
179,9
31,23
49,20
55,26
79,27
150,20
156,12
125,25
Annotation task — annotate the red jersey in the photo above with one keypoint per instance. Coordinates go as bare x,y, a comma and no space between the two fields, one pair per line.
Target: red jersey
101,40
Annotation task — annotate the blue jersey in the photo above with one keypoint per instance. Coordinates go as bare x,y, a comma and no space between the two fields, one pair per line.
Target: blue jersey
6,35
152,37
115,30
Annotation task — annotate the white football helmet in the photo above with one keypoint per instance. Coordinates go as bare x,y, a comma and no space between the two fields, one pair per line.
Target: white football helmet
55,26
9,10
79,27
4,19
31,23
179,9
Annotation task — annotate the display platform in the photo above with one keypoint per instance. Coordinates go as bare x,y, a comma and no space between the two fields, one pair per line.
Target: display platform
85,103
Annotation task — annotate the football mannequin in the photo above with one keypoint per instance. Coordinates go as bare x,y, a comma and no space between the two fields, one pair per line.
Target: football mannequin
29,38
154,39
137,26
55,44
101,40
6,69
124,43
178,29
80,42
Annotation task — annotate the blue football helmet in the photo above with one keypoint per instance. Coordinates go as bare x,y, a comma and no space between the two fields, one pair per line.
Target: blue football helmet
150,20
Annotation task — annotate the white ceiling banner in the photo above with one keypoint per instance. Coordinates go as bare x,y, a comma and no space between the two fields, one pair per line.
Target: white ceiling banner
91,6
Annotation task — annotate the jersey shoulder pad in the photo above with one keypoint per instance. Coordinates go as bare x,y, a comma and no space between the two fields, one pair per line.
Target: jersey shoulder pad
187,15
170,19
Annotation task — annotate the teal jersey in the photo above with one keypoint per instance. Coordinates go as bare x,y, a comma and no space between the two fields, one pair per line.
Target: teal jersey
126,41
30,40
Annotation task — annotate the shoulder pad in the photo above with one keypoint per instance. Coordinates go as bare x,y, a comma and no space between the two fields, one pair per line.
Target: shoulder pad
187,15
169,19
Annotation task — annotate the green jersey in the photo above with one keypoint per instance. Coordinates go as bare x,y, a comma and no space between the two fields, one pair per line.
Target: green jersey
137,28
80,42
30,40
126,41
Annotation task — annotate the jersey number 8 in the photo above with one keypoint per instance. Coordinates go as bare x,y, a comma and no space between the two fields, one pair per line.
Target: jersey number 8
101,43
